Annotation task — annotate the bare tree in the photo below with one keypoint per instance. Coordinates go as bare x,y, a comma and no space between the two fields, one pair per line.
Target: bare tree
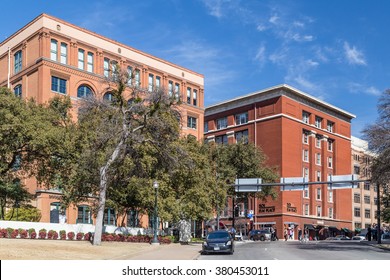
131,116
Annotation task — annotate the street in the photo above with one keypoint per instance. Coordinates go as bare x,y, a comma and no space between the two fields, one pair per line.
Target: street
294,250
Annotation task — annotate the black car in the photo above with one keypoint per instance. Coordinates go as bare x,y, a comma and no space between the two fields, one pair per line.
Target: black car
219,241
260,234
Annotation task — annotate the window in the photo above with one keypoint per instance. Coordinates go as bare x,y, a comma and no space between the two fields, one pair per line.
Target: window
132,218
330,145
90,62
83,215
367,186
241,118
356,197
109,217
191,122
356,211
151,82
189,95
221,123
318,158
367,213
318,194
58,85
330,162
64,53
305,137
206,127
330,126
330,196
305,155
81,59
137,78
55,212
306,193
194,97
177,91
170,88
130,75
114,69
367,199
306,117
318,142
318,122
106,67
222,139
53,50
330,213
306,173
18,90
318,176
18,62
242,136
319,211
158,82
84,92
306,209
108,97
356,169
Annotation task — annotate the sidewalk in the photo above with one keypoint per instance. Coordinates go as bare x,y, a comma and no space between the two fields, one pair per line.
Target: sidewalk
173,251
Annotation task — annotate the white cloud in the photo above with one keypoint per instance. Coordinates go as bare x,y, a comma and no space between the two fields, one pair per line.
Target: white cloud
215,7
261,27
274,19
353,55
298,24
260,55
359,88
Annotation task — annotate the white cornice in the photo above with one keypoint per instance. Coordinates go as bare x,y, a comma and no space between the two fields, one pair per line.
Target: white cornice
277,91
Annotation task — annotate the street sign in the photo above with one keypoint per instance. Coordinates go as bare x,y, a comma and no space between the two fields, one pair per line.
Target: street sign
342,181
248,185
297,184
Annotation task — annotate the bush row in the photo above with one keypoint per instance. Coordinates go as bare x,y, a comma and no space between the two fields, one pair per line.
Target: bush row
63,235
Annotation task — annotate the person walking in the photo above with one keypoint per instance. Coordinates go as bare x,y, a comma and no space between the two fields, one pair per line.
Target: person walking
285,234
299,233
369,233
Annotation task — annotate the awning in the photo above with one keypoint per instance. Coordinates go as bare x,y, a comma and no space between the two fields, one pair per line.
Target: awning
309,227
290,223
264,223
346,230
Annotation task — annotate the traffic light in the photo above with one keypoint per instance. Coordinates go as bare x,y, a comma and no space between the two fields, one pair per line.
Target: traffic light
236,211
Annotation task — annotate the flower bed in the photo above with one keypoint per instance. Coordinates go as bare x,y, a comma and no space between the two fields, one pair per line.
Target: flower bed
54,235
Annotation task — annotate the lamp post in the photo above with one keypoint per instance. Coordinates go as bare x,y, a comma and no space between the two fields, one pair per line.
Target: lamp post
155,239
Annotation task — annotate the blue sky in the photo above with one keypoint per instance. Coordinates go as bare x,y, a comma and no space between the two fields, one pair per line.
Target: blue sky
335,50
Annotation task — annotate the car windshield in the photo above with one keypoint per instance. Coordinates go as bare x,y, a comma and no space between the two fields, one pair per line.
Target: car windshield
218,235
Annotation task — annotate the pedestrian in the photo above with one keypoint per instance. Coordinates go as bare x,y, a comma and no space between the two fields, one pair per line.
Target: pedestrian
285,234
290,233
299,233
233,232
306,234
369,233
272,230
276,234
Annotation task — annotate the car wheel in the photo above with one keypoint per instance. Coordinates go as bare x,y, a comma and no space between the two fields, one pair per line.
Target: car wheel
262,238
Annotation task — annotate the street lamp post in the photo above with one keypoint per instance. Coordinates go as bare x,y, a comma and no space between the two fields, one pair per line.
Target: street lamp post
155,239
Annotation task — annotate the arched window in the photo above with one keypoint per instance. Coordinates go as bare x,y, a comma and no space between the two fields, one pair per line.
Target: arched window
108,96
84,91
18,90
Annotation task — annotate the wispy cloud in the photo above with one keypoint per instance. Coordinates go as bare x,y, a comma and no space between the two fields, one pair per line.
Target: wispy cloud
215,7
360,88
261,55
353,55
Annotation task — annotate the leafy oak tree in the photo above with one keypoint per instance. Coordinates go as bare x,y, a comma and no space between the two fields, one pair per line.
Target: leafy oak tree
29,136
378,136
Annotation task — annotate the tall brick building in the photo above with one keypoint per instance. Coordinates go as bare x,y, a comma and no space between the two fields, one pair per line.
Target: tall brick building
50,57
303,137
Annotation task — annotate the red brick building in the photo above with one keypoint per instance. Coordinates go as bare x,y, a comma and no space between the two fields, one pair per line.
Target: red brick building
50,57
303,137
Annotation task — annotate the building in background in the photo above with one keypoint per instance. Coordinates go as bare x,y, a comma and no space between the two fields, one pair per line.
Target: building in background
365,201
302,136
50,57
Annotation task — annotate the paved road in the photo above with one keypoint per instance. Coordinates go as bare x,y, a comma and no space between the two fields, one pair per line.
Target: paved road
294,250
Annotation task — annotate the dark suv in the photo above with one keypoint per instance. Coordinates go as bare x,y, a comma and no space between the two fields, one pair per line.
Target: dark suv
260,234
